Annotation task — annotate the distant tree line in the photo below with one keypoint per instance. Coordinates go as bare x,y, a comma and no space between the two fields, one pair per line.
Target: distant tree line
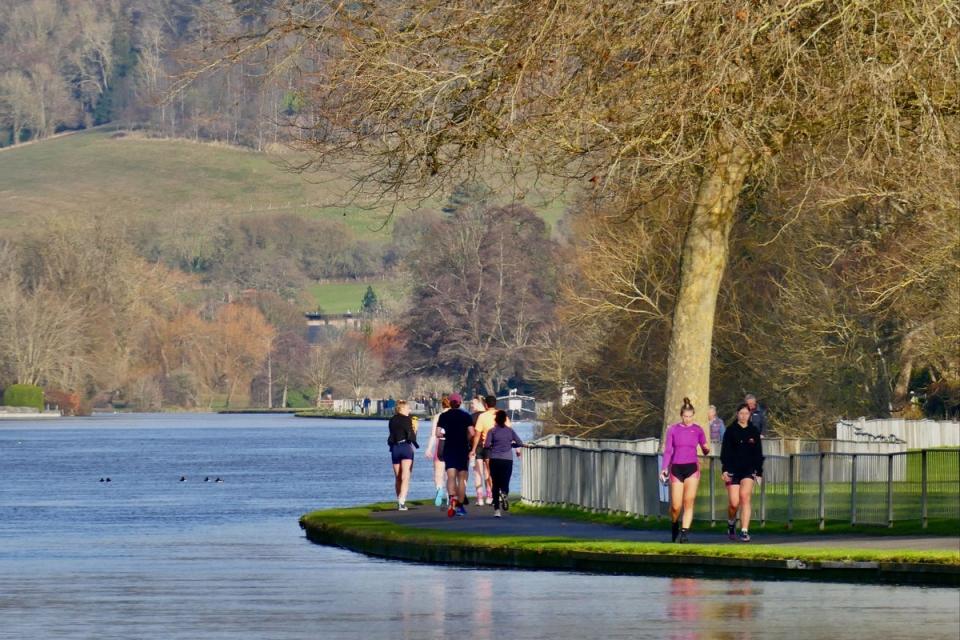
71,64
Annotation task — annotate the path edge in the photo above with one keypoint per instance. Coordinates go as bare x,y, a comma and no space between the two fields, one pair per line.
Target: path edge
474,553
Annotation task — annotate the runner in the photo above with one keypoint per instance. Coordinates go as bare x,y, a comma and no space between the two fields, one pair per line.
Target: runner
741,459
682,467
434,452
458,435
481,466
501,440
402,440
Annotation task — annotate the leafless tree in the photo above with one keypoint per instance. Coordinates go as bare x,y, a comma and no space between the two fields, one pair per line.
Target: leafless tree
699,99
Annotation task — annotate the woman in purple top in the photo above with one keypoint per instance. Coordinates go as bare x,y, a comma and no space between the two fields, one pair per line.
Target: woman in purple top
682,467
501,442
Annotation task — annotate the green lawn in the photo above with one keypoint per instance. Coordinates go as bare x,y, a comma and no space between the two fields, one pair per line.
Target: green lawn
340,297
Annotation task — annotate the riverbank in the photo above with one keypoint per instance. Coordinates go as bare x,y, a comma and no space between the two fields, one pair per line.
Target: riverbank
527,541
27,413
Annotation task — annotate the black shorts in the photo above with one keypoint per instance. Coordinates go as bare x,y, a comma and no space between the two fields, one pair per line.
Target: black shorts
460,463
402,451
683,471
440,443
736,478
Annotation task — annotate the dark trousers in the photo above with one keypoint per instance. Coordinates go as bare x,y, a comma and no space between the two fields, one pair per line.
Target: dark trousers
500,472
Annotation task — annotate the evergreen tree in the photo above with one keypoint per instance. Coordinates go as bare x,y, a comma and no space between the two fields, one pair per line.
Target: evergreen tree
370,303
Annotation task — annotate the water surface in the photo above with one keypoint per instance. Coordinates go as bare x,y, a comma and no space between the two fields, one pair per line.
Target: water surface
148,556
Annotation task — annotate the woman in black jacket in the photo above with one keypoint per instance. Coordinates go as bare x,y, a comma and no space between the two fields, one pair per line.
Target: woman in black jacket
402,441
741,459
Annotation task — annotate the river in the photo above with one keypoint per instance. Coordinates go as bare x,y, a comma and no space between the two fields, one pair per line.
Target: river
148,556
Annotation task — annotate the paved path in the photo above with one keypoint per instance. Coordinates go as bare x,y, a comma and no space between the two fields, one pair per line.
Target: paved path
480,521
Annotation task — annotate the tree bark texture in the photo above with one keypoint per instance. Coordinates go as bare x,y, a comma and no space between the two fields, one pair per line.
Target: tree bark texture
705,251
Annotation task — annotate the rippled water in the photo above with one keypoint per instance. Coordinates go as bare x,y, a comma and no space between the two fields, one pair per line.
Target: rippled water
148,556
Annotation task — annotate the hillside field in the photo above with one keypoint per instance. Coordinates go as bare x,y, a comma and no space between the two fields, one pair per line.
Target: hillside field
341,297
112,173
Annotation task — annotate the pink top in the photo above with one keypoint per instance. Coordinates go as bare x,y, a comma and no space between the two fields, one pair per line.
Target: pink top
681,444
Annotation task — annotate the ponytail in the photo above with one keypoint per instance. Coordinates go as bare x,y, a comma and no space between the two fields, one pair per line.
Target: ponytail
686,406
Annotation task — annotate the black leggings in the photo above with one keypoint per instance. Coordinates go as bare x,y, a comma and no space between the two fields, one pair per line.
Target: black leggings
500,472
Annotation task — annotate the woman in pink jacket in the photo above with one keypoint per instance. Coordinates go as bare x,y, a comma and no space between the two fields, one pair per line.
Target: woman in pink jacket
681,467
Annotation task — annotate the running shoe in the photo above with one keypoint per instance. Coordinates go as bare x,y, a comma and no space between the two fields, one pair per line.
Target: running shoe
504,503
452,509
440,495
682,538
731,531
497,514
401,506
461,511
489,500
744,536
479,499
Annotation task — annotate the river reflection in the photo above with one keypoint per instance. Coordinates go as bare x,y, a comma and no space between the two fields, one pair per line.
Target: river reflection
709,608
149,557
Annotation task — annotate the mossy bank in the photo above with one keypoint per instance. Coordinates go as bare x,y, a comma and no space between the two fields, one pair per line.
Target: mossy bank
358,529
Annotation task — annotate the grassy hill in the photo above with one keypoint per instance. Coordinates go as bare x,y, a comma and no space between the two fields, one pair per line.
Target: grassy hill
111,173
131,177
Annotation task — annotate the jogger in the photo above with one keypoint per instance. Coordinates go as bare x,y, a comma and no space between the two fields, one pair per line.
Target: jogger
741,459
501,442
459,434
681,467
402,441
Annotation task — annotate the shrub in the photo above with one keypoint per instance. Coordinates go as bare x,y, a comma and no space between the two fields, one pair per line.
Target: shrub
68,401
23,395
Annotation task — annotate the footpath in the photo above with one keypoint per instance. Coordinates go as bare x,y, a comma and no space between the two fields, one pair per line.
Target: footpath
480,521
524,540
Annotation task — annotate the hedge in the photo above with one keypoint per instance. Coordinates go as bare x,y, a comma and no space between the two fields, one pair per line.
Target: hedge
23,395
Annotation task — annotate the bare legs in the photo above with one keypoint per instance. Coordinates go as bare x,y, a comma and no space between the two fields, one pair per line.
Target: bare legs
481,479
739,498
401,473
682,496
457,484
439,474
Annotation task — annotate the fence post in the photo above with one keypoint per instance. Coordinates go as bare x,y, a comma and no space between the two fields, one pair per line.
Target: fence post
790,492
763,503
853,491
821,502
923,487
889,489
713,506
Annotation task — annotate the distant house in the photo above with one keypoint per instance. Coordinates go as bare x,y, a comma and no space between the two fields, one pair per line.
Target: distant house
316,321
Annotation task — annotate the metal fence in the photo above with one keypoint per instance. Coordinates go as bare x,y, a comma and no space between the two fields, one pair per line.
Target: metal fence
916,434
861,488
643,445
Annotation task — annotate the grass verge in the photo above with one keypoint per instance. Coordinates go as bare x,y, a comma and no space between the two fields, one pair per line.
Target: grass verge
356,529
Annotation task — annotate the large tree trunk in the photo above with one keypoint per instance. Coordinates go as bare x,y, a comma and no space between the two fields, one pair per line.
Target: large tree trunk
901,391
705,250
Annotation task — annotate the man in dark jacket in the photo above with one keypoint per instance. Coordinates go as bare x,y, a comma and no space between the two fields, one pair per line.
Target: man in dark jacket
758,414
